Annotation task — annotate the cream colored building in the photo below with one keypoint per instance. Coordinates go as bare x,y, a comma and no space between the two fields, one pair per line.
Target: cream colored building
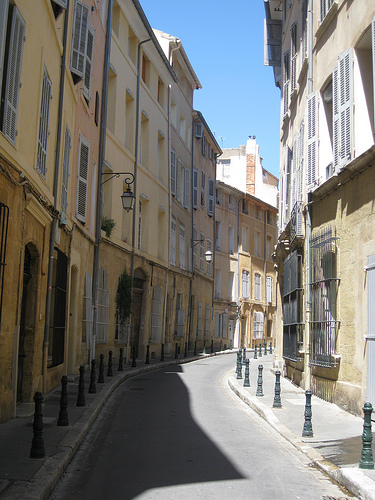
323,59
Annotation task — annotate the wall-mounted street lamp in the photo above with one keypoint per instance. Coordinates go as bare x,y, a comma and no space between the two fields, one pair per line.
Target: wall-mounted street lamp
128,197
208,254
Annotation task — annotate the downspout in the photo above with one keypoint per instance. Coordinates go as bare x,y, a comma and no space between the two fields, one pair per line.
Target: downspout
239,306
102,139
308,209
265,273
135,169
54,215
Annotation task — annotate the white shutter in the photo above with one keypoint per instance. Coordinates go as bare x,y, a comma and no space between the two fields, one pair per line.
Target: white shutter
269,288
293,69
62,3
83,171
373,62
211,196
187,188
43,125
301,158
286,82
294,171
79,40
65,177
336,119
195,188
3,31
346,107
178,180
13,77
312,139
173,173
88,64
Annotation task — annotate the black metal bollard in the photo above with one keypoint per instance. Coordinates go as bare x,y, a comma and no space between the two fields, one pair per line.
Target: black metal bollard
63,419
307,426
195,348
252,344
162,353
37,445
212,346
147,362
121,361
110,371
186,350
134,363
260,350
230,344
244,356
239,366
255,352
277,398
260,381
92,387
204,347
176,352
101,370
367,459
265,348
221,345
81,401
270,351
237,361
246,382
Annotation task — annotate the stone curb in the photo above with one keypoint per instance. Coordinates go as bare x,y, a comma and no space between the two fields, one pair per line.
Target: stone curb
41,486
353,479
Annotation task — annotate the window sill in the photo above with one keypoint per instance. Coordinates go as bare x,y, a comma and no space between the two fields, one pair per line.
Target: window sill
327,20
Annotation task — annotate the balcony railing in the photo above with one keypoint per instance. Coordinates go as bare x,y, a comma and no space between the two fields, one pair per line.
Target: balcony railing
296,221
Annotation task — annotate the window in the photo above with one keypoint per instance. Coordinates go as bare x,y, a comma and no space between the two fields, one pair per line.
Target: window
225,167
268,249
132,46
244,239
65,176
325,5
269,217
293,63
203,145
144,140
160,159
10,67
231,240
245,284
195,188
129,120
182,127
88,63
173,173
257,282
232,202
217,283
231,288
292,306
161,93
221,325
304,31
180,317
187,188
324,289
256,244
269,289
199,321
203,188
102,320
83,174
145,70
219,197
258,325
58,6
211,194
286,78
178,180
182,247
173,241
207,321
156,316
312,139
79,41
41,164
218,236
245,209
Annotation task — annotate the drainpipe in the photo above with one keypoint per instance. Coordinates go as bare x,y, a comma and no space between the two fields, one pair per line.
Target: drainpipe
265,272
54,216
308,211
99,211
238,273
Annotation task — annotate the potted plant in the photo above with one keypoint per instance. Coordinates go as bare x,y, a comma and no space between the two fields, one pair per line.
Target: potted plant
107,225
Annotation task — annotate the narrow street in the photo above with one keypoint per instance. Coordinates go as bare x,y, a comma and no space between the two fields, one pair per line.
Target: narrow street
180,433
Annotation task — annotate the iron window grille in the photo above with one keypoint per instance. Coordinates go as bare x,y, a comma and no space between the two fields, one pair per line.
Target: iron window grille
292,306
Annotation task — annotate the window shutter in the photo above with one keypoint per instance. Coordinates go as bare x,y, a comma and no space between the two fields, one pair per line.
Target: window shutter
88,64
83,171
211,195
156,316
13,78
173,241
294,171
187,188
336,119
286,81
301,153
3,31
195,188
203,189
43,125
304,30
373,61
178,180
88,308
269,288
293,69
65,178
62,3
312,136
79,41
346,106
173,173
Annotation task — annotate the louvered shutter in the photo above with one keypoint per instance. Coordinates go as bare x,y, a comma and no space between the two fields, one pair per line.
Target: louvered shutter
211,195
304,30
12,86
43,124
373,61
312,139
293,69
346,107
65,177
286,81
62,3
3,31
195,188
269,288
79,41
301,158
88,307
203,189
294,171
83,171
178,180
156,316
88,64
173,173
187,188
336,119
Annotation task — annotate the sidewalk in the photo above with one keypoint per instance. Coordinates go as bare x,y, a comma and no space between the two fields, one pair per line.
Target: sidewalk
34,479
336,445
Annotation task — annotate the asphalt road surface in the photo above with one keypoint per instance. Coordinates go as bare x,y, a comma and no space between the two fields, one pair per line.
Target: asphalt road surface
180,433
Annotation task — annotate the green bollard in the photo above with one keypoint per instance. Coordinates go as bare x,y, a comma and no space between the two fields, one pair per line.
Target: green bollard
246,382
221,345
176,352
255,352
260,381
277,398
186,350
270,346
212,346
237,361
195,348
244,356
307,426
230,345
252,344
147,361
239,368
162,353
260,350
204,347
367,460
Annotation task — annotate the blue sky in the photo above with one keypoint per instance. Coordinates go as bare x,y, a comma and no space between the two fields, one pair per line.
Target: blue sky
225,47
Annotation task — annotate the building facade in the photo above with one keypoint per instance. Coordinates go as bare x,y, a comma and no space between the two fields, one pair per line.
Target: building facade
323,59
